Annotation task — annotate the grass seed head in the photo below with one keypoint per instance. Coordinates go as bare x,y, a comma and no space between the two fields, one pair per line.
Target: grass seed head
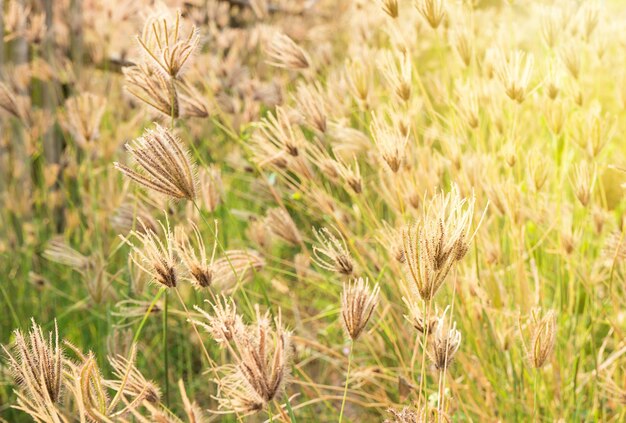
444,343
198,264
358,301
154,256
164,165
332,252
515,71
283,52
282,225
36,362
433,11
542,337
166,49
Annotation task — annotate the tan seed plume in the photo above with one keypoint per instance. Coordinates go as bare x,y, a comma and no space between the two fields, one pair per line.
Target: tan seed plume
444,343
166,48
155,257
332,252
164,165
284,53
542,337
358,301
36,362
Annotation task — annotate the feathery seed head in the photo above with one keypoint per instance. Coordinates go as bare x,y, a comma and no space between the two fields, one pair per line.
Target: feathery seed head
417,317
282,225
391,239
89,388
583,182
390,7
332,253
36,362
153,89
128,215
284,53
199,266
357,305
13,103
58,251
84,113
260,372
350,174
538,170
166,48
463,43
397,69
154,256
552,82
277,130
542,337
556,115
391,143
444,343
311,104
515,71
358,77
130,380
436,242
164,165
570,56
223,324
431,10
210,187
236,267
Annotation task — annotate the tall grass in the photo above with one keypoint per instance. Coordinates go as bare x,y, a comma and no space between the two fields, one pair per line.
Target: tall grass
352,210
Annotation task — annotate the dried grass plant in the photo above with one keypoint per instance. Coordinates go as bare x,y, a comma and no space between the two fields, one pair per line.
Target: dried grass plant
349,210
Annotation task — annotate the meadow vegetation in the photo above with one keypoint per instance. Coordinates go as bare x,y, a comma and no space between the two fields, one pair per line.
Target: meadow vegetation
312,211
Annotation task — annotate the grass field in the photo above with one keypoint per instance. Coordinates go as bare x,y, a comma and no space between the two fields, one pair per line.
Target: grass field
312,211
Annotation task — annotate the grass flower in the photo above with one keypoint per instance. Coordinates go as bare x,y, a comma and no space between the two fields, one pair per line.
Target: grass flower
36,363
332,253
436,242
164,165
155,257
84,113
397,69
390,7
542,337
153,89
358,301
235,267
165,46
433,11
389,141
282,225
444,344
515,71
130,381
224,323
283,52
261,355
199,266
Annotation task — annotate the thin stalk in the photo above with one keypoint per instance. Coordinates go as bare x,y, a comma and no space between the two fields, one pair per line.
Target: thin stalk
423,367
165,353
440,396
195,329
212,363
345,388
16,319
535,395
145,316
442,378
